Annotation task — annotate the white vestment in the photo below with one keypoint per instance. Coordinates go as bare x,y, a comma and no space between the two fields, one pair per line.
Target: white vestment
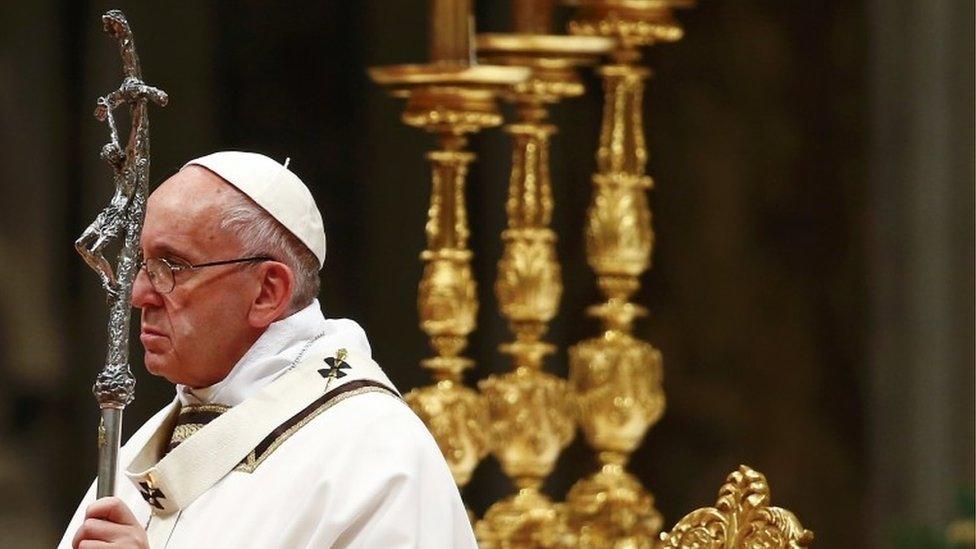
302,451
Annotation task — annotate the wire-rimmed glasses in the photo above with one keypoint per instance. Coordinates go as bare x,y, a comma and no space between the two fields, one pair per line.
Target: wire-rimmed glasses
162,271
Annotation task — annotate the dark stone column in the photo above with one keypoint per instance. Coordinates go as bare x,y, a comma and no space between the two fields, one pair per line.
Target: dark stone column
921,262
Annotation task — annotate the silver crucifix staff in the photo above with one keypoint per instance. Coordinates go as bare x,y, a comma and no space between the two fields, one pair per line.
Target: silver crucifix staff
122,219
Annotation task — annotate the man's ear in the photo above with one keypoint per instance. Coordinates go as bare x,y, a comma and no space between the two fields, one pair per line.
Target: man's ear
274,296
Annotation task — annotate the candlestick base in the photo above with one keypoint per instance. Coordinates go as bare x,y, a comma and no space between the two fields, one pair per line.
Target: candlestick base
458,419
612,509
526,519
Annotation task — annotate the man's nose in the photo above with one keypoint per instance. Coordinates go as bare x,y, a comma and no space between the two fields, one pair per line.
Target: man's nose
143,293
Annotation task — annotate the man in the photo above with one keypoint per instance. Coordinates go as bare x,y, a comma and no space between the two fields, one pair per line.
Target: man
283,433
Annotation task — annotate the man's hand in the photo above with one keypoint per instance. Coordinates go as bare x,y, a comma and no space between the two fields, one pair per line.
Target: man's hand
109,523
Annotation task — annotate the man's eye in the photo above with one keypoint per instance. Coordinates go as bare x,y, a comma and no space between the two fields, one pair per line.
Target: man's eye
177,263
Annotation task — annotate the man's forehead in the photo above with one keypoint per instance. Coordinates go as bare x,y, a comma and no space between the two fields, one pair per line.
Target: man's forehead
193,185
183,213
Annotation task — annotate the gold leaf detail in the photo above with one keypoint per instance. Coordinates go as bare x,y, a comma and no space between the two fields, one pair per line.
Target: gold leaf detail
617,382
527,519
612,509
619,238
458,418
447,299
741,517
532,421
529,284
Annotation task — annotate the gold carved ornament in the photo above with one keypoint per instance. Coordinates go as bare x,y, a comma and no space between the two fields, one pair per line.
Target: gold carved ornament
450,97
447,304
617,378
741,518
532,411
526,415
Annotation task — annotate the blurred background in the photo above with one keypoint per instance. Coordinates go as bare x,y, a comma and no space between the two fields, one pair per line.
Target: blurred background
812,289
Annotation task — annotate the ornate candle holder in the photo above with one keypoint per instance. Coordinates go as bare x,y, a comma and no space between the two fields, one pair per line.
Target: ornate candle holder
617,377
450,97
532,411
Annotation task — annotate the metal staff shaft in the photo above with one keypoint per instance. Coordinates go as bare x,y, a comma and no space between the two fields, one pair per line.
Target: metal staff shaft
110,438
114,386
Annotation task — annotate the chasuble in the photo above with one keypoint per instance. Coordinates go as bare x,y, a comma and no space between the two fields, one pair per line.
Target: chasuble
306,443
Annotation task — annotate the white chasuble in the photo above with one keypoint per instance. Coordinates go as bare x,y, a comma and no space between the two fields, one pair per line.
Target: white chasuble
325,454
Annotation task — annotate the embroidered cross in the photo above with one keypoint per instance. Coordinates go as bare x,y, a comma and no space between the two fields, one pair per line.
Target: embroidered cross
336,366
151,494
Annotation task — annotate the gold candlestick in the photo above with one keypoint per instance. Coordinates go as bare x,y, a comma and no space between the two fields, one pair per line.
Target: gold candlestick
617,377
533,16
450,43
450,97
532,412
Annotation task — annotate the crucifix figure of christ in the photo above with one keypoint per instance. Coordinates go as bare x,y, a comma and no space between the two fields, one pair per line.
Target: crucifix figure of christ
114,386
129,164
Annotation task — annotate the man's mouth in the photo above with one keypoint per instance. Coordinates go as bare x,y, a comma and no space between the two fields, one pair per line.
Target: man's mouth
153,340
149,330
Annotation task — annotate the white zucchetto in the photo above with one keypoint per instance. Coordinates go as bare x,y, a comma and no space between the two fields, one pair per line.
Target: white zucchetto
276,189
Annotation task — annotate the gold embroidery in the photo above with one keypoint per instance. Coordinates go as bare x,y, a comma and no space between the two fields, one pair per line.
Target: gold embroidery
183,432
252,461
215,408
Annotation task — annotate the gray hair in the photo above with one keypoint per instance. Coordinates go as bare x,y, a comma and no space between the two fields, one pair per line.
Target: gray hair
261,234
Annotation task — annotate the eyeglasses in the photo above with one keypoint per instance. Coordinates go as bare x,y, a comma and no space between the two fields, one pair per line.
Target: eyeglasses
162,272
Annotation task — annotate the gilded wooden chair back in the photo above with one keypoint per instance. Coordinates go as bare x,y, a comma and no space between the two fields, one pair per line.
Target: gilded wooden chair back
742,518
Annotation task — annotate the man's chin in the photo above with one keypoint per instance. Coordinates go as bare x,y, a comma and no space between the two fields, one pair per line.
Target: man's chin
157,364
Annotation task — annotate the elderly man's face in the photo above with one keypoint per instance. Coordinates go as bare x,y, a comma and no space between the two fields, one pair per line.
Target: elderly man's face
194,334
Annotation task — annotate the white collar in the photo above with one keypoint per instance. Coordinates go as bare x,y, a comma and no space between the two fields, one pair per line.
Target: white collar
276,352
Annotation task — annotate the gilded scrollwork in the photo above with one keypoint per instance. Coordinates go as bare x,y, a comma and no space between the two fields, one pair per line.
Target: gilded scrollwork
633,33
619,237
532,412
634,23
458,418
612,510
451,110
530,203
742,517
450,97
529,284
447,218
533,419
447,304
447,300
622,148
527,519
549,89
616,377
617,382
